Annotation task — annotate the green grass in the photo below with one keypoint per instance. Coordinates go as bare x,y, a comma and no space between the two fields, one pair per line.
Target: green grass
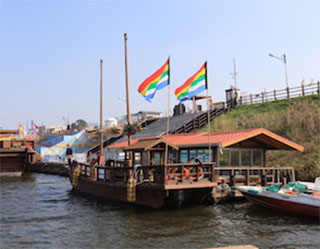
296,119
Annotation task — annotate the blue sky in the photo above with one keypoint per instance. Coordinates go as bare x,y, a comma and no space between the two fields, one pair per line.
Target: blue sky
50,52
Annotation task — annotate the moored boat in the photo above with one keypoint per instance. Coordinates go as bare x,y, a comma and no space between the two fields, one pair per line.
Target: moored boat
15,153
293,198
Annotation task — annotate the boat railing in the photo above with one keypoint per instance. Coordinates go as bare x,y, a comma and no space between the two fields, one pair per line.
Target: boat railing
177,173
255,175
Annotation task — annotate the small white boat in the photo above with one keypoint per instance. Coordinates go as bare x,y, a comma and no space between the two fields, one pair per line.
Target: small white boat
295,198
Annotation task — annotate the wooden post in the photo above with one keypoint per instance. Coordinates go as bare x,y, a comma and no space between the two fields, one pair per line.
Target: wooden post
251,99
302,88
288,94
318,91
167,156
101,109
127,95
127,84
293,172
182,173
275,94
194,104
247,177
262,96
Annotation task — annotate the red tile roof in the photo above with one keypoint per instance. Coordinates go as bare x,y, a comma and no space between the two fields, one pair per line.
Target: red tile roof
225,139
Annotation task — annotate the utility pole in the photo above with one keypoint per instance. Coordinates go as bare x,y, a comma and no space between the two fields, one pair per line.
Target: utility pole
235,73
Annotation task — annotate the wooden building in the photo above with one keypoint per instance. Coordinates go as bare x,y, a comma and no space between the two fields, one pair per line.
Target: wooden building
237,155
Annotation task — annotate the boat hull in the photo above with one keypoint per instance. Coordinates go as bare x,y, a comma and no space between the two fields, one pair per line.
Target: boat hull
151,195
12,161
285,206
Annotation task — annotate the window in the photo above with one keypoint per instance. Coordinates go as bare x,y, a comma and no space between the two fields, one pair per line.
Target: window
137,158
224,158
235,158
156,158
173,156
245,158
257,157
193,154
183,156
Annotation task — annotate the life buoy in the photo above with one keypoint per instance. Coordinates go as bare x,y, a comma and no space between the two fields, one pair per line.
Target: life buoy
186,173
199,172
171,174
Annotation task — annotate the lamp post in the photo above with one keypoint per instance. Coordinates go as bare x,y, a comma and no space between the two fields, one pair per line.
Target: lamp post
283,58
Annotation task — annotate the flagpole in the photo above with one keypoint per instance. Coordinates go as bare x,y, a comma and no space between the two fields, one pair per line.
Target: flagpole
127,85
168,118
208,110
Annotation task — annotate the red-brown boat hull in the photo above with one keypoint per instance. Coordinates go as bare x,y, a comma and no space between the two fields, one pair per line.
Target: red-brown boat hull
151,195
283,205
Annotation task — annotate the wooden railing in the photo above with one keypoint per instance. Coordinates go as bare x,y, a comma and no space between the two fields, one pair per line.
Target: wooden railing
202,119
255,175
286,93
190,172
178,173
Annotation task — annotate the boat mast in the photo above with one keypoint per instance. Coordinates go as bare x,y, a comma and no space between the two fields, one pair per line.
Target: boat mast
101,99
127,85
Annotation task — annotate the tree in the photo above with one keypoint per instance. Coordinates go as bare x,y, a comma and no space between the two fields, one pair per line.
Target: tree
81,124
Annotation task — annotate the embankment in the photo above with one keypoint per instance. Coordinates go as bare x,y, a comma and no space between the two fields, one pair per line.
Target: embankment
297,119
48,168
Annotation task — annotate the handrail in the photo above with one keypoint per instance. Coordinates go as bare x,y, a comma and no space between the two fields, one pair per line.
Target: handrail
179,173
293,92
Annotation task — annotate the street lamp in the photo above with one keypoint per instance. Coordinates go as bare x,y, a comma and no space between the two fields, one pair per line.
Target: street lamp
283,58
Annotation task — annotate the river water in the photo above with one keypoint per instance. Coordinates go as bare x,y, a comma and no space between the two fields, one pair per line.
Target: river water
41,211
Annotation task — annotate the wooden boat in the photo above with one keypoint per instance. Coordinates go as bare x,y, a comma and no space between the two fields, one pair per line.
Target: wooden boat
293,198
180,168
15,153
119,182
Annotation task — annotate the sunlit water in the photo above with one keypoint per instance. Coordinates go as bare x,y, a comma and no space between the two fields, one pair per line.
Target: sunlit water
39,211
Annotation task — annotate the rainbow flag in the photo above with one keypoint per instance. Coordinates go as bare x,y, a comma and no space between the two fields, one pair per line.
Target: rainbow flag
194,85
155,82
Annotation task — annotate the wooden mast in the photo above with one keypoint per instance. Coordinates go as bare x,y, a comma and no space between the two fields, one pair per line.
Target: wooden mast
127,84
127,96
101,108
208,110
166,156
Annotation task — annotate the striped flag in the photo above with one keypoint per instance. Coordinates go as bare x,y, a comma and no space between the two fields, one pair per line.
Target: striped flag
194,85
35,129
155,82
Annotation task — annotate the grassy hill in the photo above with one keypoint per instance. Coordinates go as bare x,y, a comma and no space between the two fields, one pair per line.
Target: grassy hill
296,119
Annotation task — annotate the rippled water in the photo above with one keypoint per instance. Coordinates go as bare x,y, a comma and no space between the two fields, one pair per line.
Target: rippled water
40,211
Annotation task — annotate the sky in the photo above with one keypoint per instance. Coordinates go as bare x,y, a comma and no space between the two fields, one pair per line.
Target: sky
51,50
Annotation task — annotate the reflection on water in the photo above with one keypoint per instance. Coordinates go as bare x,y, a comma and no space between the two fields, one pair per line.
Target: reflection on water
40,211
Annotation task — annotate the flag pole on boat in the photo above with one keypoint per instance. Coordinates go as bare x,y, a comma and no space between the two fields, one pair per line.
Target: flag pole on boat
127,90
168,118
208,110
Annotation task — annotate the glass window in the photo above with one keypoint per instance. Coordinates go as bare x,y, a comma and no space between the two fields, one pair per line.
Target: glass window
193,154
206,157
224,158
183,156
257,157
235,158
156,158
137,158
173,156
245,158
